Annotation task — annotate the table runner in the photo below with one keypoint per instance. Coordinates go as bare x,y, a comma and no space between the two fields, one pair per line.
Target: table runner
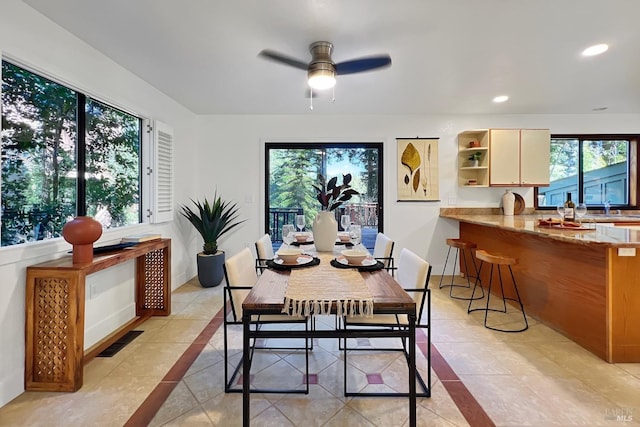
314,290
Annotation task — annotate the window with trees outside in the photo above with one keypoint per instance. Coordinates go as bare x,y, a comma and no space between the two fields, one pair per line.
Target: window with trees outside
64,154
596,170
292,169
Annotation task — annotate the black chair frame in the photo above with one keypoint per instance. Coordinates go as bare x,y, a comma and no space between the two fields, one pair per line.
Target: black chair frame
229,379
425,385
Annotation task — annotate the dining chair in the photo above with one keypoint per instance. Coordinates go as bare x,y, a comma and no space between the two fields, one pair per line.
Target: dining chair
383,251
413,274
264,252
240,275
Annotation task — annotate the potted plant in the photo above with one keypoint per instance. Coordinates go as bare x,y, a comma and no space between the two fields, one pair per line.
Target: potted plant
212,221
474,159
331,196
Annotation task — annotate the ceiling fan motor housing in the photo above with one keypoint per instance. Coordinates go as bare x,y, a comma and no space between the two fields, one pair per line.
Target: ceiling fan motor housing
321,65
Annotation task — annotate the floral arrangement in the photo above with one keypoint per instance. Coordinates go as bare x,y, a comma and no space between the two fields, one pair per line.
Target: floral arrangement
330,195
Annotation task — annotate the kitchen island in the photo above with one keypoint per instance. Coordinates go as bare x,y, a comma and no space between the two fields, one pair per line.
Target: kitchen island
584,283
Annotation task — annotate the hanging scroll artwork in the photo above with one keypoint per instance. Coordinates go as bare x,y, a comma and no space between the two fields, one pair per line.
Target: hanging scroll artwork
418,169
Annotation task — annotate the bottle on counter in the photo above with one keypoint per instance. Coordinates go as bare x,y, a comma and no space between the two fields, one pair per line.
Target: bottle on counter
569,209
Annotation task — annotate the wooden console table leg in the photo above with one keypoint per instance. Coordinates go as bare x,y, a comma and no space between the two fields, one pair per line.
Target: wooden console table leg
153,283
54,331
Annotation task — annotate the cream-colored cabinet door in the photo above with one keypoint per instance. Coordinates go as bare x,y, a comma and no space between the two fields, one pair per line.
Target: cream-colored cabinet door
504,167
535,151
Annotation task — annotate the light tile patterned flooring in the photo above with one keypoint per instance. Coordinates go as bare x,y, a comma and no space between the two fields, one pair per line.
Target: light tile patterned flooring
534,378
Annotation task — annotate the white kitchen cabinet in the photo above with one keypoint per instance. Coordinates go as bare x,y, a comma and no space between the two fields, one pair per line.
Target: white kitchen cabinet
519,157
535,157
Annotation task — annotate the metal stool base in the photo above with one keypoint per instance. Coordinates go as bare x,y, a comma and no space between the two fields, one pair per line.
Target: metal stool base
453,275
486,309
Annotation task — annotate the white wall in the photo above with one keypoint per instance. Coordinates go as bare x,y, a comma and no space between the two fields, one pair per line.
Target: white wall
414,225
28,37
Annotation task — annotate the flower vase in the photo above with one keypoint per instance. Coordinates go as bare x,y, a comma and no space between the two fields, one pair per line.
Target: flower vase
325,231
81,232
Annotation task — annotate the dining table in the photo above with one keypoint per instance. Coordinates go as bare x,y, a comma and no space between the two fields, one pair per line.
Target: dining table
327,286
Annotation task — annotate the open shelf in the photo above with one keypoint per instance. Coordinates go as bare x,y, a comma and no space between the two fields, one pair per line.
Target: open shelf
466,172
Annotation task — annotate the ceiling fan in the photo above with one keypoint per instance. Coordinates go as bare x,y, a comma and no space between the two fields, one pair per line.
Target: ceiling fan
321,70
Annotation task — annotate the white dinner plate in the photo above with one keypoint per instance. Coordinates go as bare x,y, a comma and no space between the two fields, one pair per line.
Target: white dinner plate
302,260
367,262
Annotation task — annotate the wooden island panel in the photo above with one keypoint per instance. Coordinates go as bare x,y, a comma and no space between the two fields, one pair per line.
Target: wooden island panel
624,306
576,282
561,284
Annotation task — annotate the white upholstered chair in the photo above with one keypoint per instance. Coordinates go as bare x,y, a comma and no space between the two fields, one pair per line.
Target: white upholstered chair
240,275
383,251
264,252
413,275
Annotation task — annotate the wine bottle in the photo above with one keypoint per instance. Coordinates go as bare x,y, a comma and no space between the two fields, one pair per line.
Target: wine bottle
569,209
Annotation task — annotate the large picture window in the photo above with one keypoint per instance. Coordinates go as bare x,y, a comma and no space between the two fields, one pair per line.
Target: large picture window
595,169
63,154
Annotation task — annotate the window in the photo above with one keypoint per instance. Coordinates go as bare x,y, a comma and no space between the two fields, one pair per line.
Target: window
595,169
292,169
64,154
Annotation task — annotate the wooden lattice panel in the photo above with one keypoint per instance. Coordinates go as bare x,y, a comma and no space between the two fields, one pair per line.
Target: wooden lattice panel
154,268
51,321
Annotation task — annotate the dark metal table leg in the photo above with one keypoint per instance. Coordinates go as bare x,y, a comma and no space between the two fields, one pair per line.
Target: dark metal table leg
246,368
412,370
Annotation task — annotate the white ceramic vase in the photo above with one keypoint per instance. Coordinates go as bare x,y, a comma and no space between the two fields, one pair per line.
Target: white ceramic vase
508,202
325,231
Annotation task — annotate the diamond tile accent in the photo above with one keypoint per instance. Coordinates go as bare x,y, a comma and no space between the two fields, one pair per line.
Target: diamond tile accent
240,377
374,379
313,379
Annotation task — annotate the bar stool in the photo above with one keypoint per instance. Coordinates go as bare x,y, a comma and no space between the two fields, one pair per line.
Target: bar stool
462,247
499,260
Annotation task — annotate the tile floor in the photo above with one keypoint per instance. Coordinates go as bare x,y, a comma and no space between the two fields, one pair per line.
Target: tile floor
172,375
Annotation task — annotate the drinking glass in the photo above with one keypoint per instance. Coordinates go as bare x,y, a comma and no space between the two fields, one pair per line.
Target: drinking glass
287,234
560,209
355,234
300,222
581,210
345,222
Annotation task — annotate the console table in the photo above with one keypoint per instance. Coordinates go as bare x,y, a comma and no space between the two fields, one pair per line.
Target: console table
55,304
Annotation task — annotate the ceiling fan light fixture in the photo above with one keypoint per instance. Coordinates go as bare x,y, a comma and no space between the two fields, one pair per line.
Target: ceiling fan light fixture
321,79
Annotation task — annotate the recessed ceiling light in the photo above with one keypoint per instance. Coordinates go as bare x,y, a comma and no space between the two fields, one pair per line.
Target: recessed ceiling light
596,49
501,98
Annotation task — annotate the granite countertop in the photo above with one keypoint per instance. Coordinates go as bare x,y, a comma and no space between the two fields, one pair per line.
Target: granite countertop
615,232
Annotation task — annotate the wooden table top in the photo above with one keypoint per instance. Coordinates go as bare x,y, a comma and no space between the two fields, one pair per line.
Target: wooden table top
267,295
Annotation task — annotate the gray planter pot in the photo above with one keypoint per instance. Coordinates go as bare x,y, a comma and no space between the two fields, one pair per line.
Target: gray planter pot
210,269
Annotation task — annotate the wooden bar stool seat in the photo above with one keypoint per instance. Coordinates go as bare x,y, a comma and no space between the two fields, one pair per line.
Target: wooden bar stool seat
500,261
463,249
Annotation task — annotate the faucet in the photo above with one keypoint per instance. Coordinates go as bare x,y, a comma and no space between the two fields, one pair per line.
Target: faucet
607,207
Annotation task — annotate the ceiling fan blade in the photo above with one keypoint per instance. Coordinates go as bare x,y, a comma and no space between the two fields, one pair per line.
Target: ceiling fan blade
283,59
363,64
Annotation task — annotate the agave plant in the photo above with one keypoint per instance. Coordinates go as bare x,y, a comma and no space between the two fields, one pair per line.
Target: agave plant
212,220
330,195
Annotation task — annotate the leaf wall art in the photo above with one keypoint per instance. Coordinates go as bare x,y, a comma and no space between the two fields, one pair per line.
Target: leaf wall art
418,169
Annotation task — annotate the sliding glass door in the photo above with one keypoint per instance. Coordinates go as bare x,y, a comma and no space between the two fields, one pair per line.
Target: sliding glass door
292,169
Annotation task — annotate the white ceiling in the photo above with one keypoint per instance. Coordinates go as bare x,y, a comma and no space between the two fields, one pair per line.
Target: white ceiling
449,56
